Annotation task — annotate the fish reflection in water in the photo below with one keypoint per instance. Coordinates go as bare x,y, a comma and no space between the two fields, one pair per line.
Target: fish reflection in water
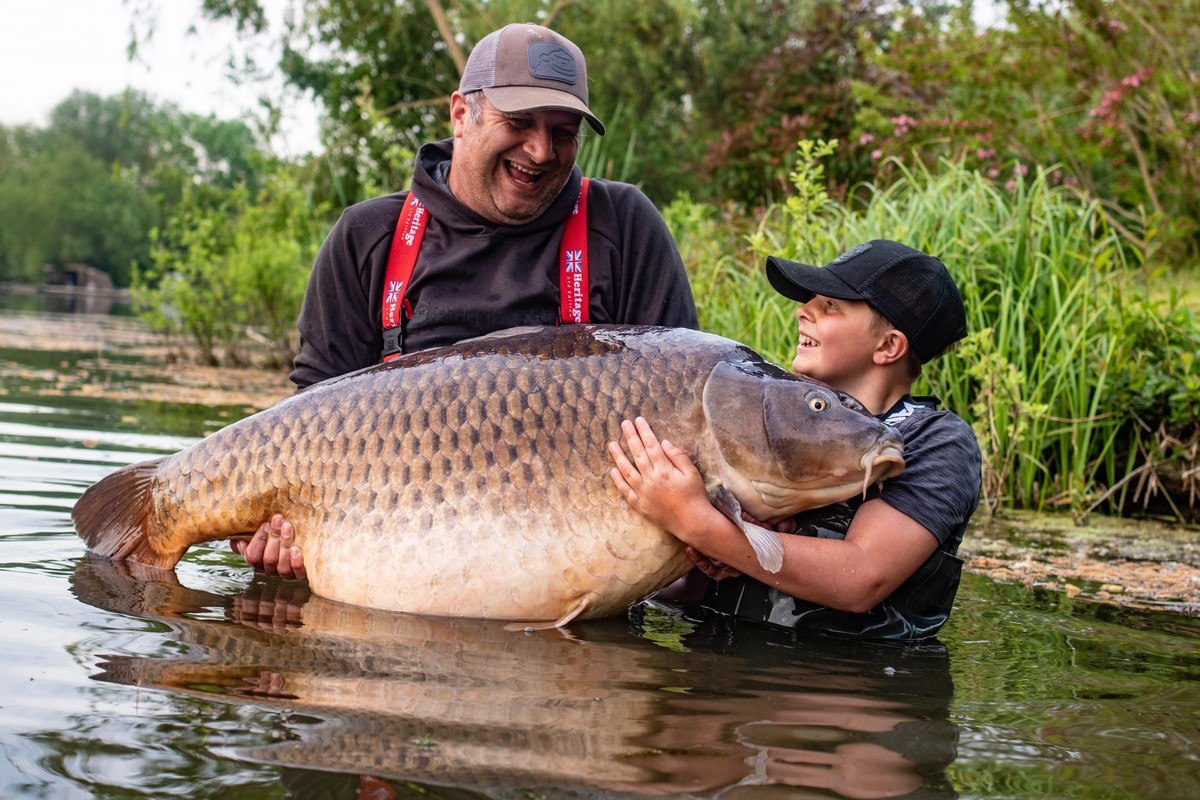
604,712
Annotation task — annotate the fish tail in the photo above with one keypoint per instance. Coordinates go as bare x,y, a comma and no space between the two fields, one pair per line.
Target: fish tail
114,517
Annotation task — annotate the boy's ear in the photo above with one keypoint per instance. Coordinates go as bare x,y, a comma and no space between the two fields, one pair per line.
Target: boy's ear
893,347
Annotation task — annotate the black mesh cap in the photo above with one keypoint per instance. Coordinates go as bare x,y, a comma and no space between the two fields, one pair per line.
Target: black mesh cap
913,291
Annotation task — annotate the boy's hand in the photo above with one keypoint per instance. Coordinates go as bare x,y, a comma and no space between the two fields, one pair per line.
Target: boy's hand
658,481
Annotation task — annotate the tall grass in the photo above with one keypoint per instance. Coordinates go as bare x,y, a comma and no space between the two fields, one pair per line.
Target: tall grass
1074,381
602,156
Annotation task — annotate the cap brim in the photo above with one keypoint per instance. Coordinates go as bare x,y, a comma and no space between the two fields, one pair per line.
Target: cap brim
515,99
801,281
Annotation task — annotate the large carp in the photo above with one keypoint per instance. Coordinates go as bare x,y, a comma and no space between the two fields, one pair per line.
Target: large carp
472,480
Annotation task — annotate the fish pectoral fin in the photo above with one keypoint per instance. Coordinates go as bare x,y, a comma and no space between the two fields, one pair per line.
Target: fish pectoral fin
768,547
581,605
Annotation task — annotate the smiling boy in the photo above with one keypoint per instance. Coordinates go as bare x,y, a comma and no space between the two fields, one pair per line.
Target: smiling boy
882,566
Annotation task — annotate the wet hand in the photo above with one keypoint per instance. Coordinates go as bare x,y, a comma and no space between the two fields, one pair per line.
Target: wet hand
717,570
658,480
272,549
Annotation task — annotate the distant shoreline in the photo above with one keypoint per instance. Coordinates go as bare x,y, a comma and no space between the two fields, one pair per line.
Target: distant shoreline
32,289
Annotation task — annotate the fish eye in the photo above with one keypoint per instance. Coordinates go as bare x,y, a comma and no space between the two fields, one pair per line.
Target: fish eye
818,403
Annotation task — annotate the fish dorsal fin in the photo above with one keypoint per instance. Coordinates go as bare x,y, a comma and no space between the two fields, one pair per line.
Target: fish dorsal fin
506,333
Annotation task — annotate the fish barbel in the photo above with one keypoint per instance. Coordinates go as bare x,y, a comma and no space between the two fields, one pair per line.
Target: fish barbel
472,480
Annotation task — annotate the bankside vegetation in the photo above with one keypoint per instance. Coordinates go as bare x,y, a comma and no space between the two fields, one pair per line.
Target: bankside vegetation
1081,385
1048,152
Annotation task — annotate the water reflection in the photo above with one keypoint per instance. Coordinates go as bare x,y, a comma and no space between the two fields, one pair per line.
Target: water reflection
64,300
373,698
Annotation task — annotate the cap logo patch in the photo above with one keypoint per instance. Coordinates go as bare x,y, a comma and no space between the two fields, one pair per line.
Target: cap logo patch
851,253
552,62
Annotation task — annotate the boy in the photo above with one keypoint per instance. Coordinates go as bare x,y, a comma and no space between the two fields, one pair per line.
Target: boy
883,567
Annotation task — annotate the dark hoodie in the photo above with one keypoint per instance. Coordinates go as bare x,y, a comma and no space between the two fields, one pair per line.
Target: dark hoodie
474,276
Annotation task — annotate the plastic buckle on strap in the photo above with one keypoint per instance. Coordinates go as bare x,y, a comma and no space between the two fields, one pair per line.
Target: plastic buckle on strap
393,342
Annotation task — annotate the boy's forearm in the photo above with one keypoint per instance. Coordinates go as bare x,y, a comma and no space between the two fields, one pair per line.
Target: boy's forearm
827,571
712,533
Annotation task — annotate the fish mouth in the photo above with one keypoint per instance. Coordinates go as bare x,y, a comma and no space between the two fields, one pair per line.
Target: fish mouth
883,461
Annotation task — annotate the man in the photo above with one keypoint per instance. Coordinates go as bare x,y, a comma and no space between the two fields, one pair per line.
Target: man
488,246
884,566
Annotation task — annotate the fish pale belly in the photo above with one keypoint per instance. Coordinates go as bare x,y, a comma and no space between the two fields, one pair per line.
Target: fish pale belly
528,568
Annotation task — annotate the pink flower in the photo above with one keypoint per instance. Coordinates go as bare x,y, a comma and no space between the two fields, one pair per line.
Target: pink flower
1135,80
903,123
866,138
876,154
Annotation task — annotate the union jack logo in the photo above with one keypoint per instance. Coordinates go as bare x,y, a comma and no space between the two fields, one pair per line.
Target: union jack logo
393,291
574,260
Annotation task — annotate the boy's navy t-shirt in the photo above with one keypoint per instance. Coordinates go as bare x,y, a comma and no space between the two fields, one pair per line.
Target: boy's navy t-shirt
942,476
939,488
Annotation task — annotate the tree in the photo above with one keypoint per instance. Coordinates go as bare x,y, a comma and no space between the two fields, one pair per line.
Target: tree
384,75
106,171
773,72
1109,90
60,205
221,270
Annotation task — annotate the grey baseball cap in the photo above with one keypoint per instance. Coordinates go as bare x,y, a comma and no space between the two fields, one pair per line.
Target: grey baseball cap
525,67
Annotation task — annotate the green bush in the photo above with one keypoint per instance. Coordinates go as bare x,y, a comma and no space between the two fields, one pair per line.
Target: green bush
234,272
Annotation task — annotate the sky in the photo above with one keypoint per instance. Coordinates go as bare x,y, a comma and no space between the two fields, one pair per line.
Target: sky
48,48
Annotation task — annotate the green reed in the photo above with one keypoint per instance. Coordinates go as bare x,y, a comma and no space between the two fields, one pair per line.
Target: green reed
1072,378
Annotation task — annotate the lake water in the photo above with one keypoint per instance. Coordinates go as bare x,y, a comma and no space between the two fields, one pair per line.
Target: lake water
212,682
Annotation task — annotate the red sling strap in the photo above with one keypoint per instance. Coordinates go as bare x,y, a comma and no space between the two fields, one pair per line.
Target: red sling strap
406,244
573,263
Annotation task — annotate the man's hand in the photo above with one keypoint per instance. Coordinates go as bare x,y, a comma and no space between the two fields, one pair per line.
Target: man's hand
272,549
717,570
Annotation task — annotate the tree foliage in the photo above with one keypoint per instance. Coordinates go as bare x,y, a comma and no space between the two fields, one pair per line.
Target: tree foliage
225,273
772,73
704,97
103,173
59,204
720,90
1108,89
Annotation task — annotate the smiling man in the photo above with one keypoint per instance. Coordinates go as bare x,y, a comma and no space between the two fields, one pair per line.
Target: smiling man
498,230
487,246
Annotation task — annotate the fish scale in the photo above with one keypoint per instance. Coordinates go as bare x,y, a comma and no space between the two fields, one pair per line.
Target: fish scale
473,480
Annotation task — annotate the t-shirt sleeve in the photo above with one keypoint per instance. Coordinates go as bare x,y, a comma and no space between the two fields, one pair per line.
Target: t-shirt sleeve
941,481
